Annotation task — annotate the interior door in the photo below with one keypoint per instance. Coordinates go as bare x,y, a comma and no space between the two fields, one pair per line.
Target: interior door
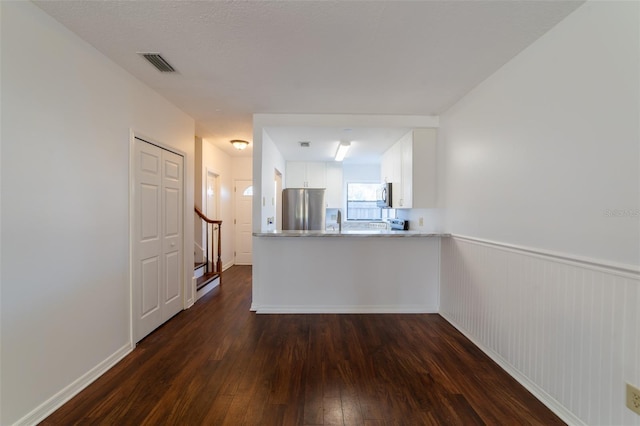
172,233
157,237
243,238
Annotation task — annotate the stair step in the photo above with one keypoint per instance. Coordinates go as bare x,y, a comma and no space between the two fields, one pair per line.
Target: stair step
198,265
206,279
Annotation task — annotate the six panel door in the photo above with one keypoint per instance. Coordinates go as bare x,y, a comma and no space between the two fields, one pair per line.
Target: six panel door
158,235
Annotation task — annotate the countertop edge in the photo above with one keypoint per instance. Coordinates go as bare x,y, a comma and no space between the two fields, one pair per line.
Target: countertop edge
373,234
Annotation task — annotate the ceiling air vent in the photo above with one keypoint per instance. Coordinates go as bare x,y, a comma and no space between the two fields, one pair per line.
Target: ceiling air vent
304,144
158,61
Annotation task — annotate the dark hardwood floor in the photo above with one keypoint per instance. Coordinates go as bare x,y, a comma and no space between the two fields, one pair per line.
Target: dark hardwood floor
219,364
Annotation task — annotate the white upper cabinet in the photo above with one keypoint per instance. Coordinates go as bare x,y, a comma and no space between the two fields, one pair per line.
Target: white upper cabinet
306,174
317,174
410,165
296,174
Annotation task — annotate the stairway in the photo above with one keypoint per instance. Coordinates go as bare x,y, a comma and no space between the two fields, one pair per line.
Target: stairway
207,272
205,281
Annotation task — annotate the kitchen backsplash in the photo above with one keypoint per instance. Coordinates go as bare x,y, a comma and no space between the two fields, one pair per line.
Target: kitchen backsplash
425,220
332,222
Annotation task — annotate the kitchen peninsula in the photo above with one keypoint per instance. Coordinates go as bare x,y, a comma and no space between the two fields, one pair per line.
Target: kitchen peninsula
363,271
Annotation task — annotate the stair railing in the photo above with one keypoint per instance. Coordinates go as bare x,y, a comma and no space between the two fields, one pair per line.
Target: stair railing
216,225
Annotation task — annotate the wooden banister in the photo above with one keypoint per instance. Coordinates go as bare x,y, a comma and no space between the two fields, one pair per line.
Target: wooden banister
205,218
218,264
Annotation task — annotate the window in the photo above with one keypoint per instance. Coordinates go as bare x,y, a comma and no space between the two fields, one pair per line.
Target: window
361,202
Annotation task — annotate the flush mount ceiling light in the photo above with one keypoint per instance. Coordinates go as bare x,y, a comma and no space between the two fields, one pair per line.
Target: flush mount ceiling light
239,144
342,150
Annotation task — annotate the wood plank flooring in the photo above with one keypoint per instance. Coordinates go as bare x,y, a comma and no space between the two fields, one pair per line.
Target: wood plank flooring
219,364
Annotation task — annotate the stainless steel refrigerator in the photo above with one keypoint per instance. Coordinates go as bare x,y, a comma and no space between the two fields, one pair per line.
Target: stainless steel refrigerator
303,209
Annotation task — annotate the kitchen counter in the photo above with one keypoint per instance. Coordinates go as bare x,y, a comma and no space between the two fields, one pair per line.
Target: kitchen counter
349,233
355,271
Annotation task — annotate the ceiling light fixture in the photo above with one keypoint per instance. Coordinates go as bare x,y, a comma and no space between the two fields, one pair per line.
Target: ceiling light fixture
342,150
239,144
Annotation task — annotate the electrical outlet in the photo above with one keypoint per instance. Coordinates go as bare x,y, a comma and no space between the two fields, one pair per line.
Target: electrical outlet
633,398
421,221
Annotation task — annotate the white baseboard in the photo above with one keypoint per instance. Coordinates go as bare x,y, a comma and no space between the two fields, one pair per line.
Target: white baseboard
190,301
56,401
567,416
355,309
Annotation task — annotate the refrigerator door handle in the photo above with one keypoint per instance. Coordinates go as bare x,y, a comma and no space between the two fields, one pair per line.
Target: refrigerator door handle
305,224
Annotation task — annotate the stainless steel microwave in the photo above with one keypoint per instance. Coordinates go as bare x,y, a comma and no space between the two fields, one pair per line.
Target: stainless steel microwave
383,196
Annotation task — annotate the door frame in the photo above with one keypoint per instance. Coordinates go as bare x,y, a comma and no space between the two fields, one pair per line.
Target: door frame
187,282
207,172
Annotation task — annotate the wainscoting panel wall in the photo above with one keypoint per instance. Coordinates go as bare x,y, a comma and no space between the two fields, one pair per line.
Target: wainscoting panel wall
566,328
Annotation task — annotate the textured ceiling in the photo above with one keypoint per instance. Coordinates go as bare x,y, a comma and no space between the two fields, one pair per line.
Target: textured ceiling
237,58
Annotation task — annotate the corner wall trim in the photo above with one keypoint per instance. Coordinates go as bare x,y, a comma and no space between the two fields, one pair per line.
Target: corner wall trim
621,269
56,401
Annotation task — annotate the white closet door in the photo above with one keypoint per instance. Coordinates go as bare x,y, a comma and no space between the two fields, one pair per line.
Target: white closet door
157,242
172,234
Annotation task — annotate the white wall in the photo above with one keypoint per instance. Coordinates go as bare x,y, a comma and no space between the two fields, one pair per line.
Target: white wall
538,153
431,219
242,168
220,163
365,173
271,160
65,207
535,157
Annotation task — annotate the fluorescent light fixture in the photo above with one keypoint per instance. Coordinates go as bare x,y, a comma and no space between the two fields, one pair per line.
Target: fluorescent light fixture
342,150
